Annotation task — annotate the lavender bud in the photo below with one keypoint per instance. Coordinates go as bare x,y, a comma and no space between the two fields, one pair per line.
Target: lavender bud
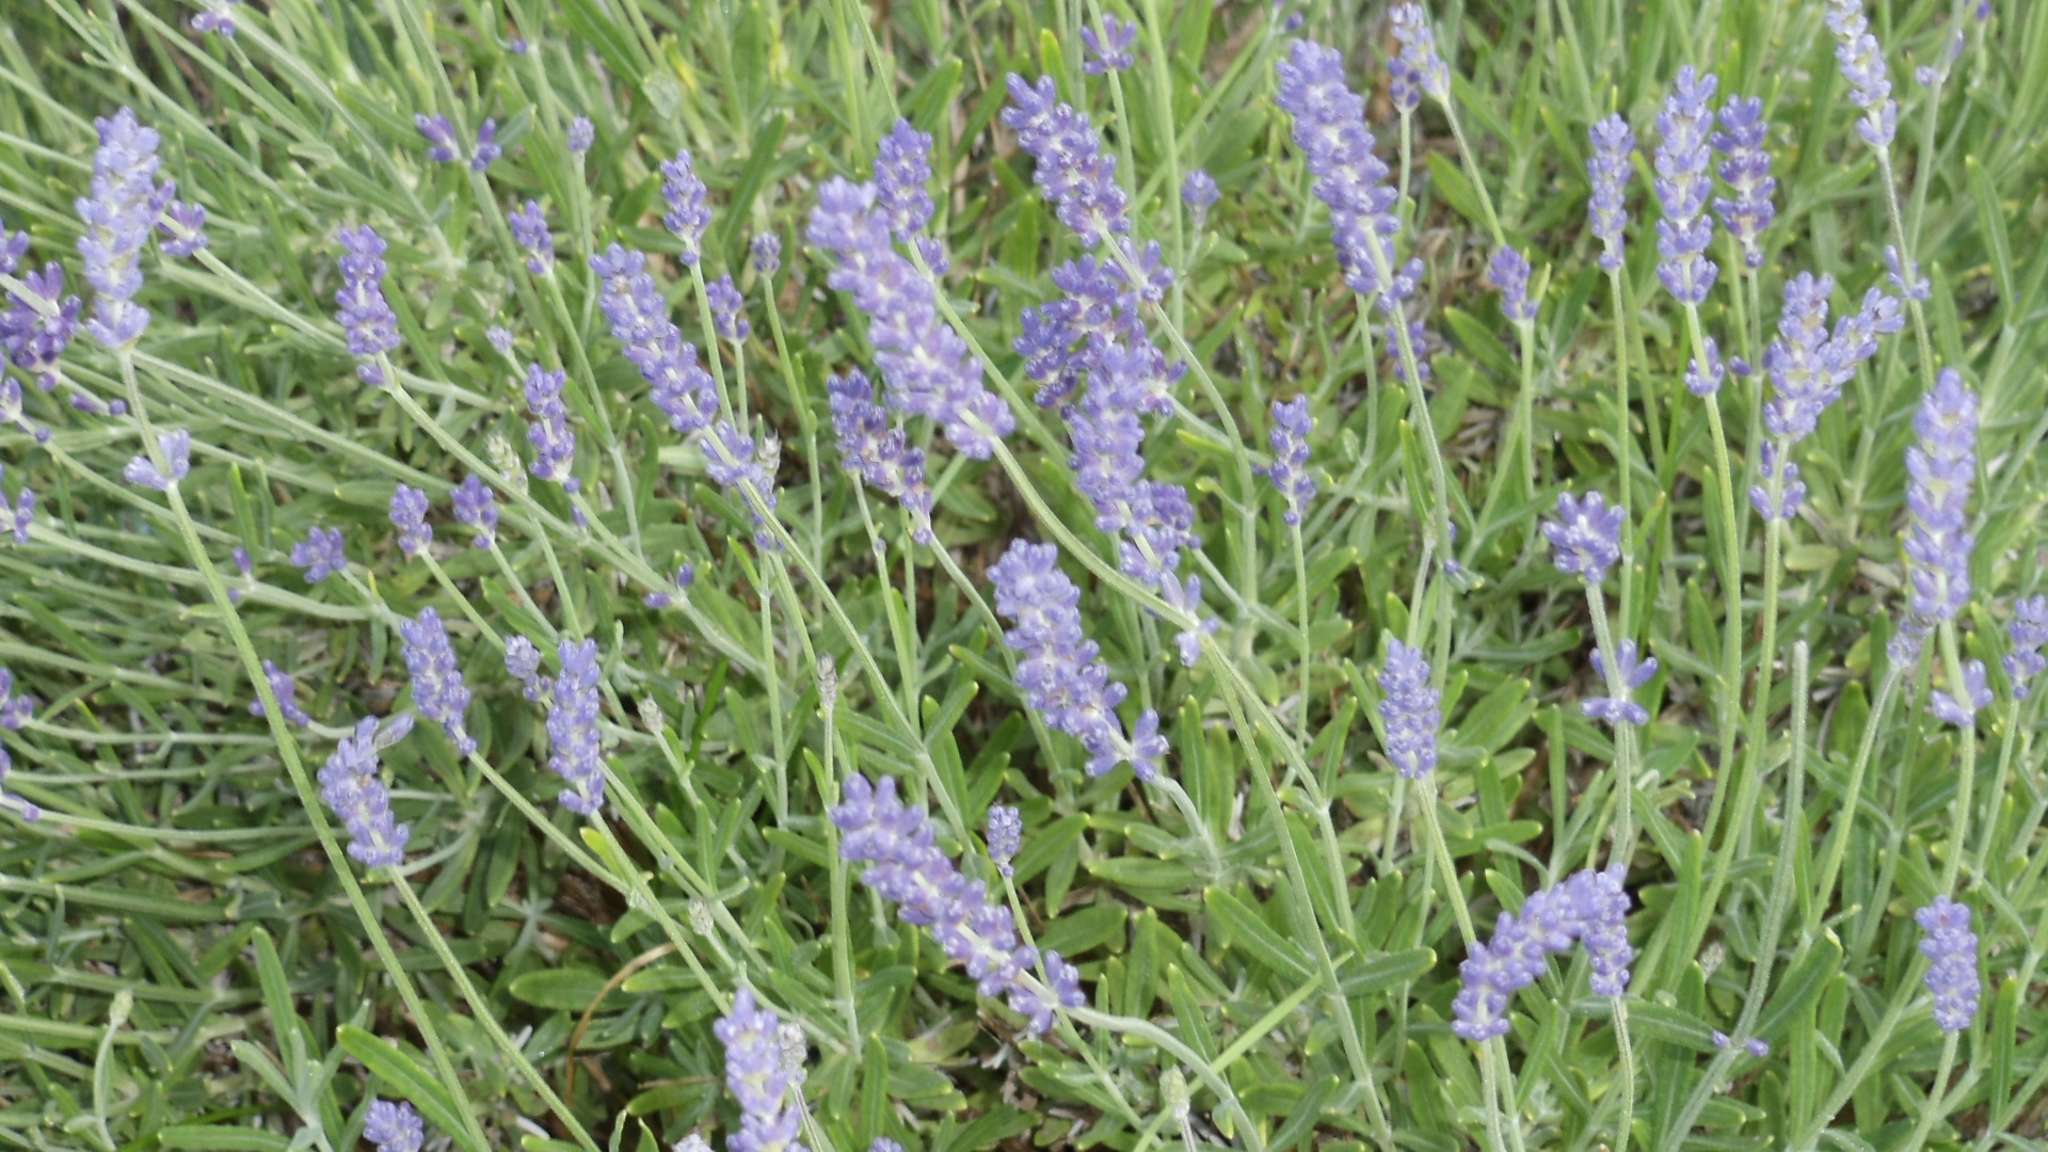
1704,379
1509,272
409,508
1410,711
2028,633
487,150
687,214
217,19
1906,277
123,209
1746,169
183,229
1330,131
176,448
1289,441
286,690
757,1076
15,711
1959,706
1631,673
530,231
1682,185
1608,169
1200,194
321,554
1585,538
728,310
1862,64
1757,1048
581,135
746,470
371,325
1005,836
394,1127
437,685
1419,57
1941,469
350,786
766,251
522,663
574,752
38,325
15,520
440,137
547,428
477,507
1113,51
1951,947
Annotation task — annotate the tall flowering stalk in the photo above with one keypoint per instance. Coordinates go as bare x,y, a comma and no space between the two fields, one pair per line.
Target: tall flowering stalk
126,203
352,787
758,1077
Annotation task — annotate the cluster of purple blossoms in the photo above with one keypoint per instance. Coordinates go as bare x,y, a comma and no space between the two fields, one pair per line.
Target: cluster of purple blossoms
217,18
1289,441
1588,908
547,428
175,447
582,134
1069,339
16,518
182,231
1418,61
907,868
443,148
123,209
364,313
1959,706
1508,272
1073,170
286,690
903,176
394,1127
1608,170
1704,373
1005,835
487,149
758,1077
1941,469
881,456
926,368
14,714
685,577
1329,128
1059,672
437,685
1755,1047
1950,946
728,310
522,663
638,315
350,787
766,253
688,215
1199,193
321,554
1862,64
1682,186
1746,169
1632,671
409,507
38,324
1808,367
1585,538
1905,276
2028,634
575,752
1411,711
476,507
1113,51
530,231
745,468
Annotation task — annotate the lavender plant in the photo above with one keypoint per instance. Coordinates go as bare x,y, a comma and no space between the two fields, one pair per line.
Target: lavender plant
1062,575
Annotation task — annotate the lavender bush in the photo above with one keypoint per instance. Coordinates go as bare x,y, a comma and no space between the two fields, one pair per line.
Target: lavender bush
1107,574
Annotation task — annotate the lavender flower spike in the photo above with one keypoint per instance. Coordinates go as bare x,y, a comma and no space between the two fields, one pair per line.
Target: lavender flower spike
1951,946
15,520
440,137
1411,711
903,176
1959,706
638,316
1005,836
522,663
371,325
1113,50
437,685
1589,908
321,554
477,507
123,209
1585,538
728,310
1329,128
766,253
1419,58
350,786
1632,671
879,454
286,690
1746,169
547,428
394,1127
38,325
530,231
1862,64
487,150
182,231
1682,186
1509,272
687,216
574,752
1200,194
1059,673
746,470
409,507
176,448
2028,634
1941,470
582,134
756,1076
1289,441
16,710
1608,169
1073,170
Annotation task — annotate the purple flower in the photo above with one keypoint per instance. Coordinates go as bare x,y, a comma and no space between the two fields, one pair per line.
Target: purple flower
437,685
1289,441
1631,673
1058,672
1746,169
350,787
1005,836
1419,58
574,751
728,310
684,577
1608,169
530,231
746,471
477,507
38,325
183,229
1960,705
757,1077
409,508
1774,459
15,711
123,209
1113,50
286,690
1200,194
1862,64
1941,469
1330,129
321,554
1704,379
487,150
394,1127
522,663
15,520
1073,170
766,251
547,428
1905,276
2028,633
218,18
1096,317
1585,538
926,368
1410,711
880,455
440,138
1682,186
638,316
175,447
499,338
687,214
13,246
1509,272
1589,908
581,135
371,325
903,174
1951,949
907,868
